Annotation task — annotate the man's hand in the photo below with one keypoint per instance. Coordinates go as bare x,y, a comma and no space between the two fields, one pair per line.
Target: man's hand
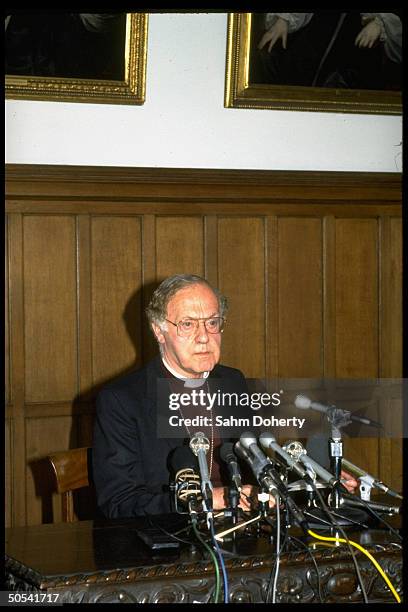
350,482
220,497
369,35
279,30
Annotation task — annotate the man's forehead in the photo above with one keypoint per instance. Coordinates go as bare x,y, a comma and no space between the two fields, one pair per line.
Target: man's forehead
196,294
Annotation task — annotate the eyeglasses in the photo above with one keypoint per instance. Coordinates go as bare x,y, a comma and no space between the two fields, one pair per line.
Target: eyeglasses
187,327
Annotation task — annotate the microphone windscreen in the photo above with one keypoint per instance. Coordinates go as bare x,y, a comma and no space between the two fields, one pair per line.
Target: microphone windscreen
301,401
266,439
183,457
227,452
247,438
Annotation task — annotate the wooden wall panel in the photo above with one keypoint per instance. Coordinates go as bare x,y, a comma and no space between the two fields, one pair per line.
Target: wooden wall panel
7,381
391,344
357,325
300,298
393,297
356,298
311,263
43,436
116,295
242,279
179,246
50,308
7,474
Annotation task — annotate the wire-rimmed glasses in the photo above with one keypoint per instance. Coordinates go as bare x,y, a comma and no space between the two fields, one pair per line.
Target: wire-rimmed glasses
187,327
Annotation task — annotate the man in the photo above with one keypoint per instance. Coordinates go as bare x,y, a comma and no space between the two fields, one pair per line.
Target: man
130,461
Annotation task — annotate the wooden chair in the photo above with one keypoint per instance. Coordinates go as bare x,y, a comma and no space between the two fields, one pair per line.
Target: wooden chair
72,471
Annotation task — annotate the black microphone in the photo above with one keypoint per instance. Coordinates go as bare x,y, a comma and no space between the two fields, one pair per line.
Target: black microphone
257,461
255,464
184,466
356,502
228,456
301,401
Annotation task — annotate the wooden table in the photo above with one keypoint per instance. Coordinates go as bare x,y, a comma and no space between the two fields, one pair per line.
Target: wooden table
105,561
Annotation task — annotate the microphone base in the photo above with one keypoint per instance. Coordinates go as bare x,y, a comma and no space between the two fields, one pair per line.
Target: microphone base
345,517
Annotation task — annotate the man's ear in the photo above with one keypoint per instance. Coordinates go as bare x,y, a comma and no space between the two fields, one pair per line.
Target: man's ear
158,333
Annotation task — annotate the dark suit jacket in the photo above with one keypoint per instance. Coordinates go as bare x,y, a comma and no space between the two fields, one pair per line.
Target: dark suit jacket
130,462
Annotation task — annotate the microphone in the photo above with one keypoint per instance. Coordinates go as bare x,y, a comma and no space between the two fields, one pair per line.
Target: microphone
258,462
267,440
255,465
187,481
360,473
266,474
353,501
228,456
298,452
199,444
301,401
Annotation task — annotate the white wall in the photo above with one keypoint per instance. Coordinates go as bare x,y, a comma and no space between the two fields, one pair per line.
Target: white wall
183,122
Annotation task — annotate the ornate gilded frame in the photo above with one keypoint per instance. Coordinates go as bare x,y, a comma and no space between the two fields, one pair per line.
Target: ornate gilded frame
240,93
129,91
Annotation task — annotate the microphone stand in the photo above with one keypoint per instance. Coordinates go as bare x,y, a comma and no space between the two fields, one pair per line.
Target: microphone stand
233,498
337,418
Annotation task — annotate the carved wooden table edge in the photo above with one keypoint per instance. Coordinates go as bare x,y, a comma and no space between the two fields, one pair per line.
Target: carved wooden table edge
194,581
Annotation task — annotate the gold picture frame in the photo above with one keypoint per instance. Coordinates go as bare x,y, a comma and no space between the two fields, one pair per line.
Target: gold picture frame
130,90
240,92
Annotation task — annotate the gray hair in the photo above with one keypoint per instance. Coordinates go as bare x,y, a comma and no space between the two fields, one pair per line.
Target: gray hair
156,311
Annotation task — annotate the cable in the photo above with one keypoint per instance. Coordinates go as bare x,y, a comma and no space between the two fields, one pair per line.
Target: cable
334,522
213,557
220,535
379,518
363,550
223,568
171,535
278,547
319,586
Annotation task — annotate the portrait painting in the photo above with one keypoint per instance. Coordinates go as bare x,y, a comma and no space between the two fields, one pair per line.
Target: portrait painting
76,57
322,61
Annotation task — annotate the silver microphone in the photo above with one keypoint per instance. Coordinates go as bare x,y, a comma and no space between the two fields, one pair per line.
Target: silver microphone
200,445
298,452
360,473
269,441
304,402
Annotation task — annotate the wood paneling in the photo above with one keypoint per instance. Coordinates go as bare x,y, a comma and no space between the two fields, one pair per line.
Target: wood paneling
7,474
357,325
179,246
300,298
116,295
310,262
241,270
7,382
356,298
45,435
50,308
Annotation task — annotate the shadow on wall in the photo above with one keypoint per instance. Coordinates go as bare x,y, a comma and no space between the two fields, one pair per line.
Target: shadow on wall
83,412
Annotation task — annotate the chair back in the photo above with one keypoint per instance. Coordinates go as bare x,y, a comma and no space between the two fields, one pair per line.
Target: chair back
72,471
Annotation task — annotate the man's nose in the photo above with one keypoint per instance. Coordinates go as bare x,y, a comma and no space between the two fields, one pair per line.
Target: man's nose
201,333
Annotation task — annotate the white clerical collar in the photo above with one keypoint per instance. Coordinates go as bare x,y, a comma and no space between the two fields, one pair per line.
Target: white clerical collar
188,382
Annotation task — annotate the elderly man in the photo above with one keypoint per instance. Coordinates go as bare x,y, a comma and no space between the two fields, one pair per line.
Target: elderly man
130,460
